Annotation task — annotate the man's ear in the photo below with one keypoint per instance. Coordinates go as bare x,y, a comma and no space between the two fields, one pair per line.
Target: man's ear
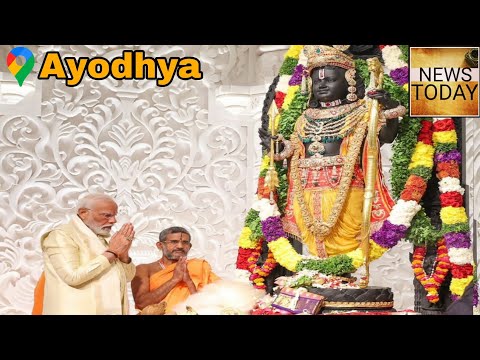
82,212
159,245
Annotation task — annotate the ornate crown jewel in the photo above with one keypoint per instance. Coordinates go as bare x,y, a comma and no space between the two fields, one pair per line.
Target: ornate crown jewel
322,55
341,47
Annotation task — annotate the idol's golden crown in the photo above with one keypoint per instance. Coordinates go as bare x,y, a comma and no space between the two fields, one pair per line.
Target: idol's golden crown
322,55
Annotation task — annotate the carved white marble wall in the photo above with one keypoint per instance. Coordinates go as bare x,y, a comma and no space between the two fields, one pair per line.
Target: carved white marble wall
186,154
471,162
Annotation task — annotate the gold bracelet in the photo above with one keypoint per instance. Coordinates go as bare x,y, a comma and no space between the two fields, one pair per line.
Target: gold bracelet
394,113
286,152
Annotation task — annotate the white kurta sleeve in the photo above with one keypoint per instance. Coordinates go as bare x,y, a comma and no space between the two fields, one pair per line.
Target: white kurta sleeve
64,256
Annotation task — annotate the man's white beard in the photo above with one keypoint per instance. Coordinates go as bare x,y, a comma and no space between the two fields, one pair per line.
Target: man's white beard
99,230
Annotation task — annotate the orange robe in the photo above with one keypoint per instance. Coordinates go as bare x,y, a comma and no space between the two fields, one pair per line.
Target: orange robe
200,272
38,296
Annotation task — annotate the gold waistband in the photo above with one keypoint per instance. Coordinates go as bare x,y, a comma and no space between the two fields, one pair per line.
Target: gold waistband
313,162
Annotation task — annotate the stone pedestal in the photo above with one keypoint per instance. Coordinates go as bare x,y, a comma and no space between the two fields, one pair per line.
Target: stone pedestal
371,298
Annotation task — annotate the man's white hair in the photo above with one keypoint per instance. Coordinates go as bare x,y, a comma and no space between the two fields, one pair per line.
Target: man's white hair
88,201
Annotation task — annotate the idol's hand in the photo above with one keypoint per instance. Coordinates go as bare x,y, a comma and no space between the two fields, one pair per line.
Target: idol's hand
266,140
383,98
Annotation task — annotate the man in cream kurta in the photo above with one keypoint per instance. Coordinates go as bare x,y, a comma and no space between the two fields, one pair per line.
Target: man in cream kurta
86,270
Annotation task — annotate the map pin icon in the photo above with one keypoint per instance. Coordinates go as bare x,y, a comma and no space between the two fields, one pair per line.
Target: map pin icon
20,71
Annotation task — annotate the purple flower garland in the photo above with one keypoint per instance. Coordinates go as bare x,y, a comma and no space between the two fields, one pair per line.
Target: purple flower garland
296,78
272,228
454,155
457,240
400,75
389,234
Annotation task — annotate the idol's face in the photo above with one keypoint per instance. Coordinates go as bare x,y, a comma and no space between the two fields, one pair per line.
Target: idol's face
329,84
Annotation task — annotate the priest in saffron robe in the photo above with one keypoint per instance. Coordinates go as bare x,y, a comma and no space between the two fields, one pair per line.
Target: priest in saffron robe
173,278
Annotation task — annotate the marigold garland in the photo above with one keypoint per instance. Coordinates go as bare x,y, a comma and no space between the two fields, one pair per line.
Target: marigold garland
453,214
259,273
440,269
290,103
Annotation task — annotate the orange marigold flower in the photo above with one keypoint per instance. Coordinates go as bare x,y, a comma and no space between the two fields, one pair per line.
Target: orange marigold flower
446,169
411,194
416,182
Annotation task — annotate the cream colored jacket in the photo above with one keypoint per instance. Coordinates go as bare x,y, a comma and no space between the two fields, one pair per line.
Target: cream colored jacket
78,279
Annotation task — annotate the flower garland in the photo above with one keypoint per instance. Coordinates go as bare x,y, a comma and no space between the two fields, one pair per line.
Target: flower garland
440,269
420,169
286,93
259,273
453,215
250,246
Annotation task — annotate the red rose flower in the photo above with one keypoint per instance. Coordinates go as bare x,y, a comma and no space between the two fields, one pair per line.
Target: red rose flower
279,98
242,258
451,198
444,125
462,271
426,126
425,138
